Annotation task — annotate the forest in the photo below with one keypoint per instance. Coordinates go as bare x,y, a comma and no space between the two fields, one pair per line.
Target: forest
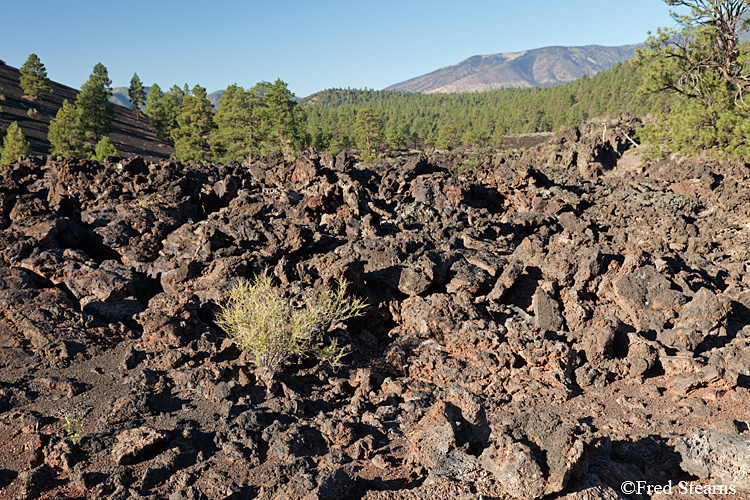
445,121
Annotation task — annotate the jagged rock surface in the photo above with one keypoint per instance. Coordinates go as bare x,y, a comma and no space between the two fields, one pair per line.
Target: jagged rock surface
547,323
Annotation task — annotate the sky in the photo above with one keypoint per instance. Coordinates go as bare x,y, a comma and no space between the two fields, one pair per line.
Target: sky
311,45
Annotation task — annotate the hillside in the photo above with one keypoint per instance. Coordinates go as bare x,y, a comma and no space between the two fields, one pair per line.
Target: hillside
482,118
131,136
543,67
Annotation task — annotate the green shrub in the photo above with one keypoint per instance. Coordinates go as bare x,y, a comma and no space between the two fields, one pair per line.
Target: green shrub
73,429
14,145
259,319
104,149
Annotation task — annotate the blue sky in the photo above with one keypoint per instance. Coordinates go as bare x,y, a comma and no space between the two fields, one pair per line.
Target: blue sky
310,45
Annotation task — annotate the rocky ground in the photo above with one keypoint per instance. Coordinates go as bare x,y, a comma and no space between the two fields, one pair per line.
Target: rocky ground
554,322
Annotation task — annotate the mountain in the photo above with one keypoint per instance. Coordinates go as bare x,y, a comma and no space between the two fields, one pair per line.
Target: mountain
130,134
120,96
214,97
543,67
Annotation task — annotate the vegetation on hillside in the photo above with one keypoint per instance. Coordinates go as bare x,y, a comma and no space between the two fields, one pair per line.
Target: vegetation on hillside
136,94
693,79
14,145
449,120
34,81
65,133
93,104
703,63
260,119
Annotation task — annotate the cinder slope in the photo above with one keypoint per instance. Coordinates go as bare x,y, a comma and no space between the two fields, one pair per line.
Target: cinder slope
131,135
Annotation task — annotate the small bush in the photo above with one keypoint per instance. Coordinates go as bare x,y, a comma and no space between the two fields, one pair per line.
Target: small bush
73,429
259,319
104,149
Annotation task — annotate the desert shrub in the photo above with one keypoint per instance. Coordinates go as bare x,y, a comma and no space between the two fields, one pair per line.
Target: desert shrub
260,320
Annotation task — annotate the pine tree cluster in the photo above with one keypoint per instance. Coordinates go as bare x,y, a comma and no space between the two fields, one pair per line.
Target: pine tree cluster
481,119
263,118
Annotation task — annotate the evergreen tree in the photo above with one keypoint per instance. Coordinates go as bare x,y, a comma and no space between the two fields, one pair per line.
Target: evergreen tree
152,101
104,149
282,130
14,144
702,58
368,129
703,62
136,94
194,127
396,134
321,140
93,103
237,125
163,109
155,111
34,81
65,133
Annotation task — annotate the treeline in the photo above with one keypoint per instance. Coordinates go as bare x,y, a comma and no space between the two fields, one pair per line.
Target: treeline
448,120
267,117
262,118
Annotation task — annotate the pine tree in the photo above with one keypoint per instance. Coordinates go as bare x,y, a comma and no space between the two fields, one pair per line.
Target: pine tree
65,133
704,61
34,81
282,129
368,128
154,111
152,101
163,109
136,94
93,103
14,144
194,126
104,149
397,134
235,136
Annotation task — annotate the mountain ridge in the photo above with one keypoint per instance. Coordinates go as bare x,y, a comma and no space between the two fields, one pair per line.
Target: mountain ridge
541,67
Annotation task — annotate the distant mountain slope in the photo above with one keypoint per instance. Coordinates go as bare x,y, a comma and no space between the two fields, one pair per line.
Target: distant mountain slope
214,97
543,67
120,96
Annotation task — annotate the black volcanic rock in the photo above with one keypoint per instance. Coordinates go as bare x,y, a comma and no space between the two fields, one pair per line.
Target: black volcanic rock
532,328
